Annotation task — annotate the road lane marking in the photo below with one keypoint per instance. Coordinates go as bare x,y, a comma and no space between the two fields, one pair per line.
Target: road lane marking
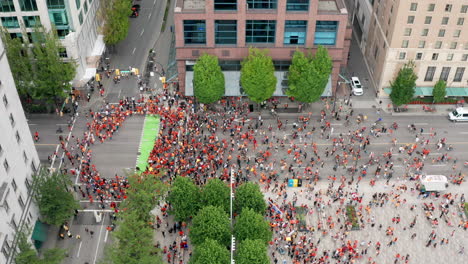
421,124
99,240
464,133
142,31
79,249
439,165
105,238
133,52
149,16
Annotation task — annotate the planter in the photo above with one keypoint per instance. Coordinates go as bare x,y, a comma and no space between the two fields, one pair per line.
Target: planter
465,207
301,213
352,217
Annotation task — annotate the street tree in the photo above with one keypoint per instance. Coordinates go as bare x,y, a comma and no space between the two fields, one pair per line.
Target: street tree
439,92
258,75
52,75
27,255
248,195
211,223
308,75
116,13
252,225
210,252
403,87
56,203
252,252
208,79
216,193
184,198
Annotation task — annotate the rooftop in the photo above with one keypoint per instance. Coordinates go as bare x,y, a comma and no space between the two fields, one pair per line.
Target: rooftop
194,4
328,5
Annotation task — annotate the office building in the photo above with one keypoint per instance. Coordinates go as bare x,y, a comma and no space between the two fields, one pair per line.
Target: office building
433,34
227,28
76,22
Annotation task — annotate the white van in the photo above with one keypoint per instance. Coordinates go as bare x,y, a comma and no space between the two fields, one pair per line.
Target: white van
434,183
460,114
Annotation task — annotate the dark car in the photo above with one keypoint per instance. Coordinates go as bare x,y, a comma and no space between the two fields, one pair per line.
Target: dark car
135,10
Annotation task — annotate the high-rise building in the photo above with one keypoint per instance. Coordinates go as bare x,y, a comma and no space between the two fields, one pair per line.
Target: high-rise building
433,34
18,161
227,28
76,22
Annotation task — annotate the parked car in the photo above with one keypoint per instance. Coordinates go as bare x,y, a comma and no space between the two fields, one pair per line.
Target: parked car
356,86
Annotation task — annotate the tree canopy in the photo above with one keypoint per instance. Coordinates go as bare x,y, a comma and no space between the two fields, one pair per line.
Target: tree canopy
252,252
216,193
248,195
308,75
258,75
210,252
211,223
208,79
116,14
251,225
403,87
184,198
27,255
439,92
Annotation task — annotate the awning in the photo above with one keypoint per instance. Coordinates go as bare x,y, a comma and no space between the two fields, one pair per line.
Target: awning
427,91
39,232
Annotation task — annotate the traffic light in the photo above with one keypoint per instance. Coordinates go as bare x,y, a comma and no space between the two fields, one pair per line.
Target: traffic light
98,77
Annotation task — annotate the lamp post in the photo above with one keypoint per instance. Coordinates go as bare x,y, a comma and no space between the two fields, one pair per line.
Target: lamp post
233,239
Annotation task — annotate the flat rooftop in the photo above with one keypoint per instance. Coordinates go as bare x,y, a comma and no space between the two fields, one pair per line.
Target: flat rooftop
328,5
194,4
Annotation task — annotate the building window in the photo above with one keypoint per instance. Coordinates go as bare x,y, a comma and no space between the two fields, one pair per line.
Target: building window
410,20
6,165
438,44
453,45
466,46
421,44
448,8
402,56
194,32
7,6
10,22
435,56
28,5
85,7
297,5
33,166
25,157
225,4
5,100
27,183
62,33
405,43
456,33
14,185
425,32
459,74
295,32
59,18
418,56
441,33
261,4
31,21
430,74
12,120
445,20
464,58
6,246
225,31
78,4
63,53
445,73
414,6
431,7
1,150
18,138
460,21
80,18
21,202
464,9
326,32
260,31
407,32
450,57
428,20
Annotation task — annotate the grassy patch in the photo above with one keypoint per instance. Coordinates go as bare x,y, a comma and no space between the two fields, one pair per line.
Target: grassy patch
150,133
352,217
166,13
466,209
301,217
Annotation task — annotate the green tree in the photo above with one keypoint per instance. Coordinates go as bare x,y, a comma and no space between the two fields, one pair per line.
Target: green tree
20,63
56,203
248,195
184,198
251,225
216,193
116,14
208,79
439,91
27,255
52,75
252,252
210,252
211,222
258,75
308,75
404,85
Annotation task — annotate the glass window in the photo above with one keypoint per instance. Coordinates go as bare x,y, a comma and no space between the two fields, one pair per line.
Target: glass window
261,4
80,17
441,32
457,33
10,22
459,74
6,165
25,157
14,185
453,45
194,32
62,33
5,100
31,21
226,31
78,4
85,7
260,31
18,138
281,65
450,57
402,55
407,32
445,20
464,9
421,44
297,5
431,7
418,56
438,44
12,120
430,74
448,7
460,21
229,65
28,5
295,32
444,73
410,20
59,18
7,6
425,32
464,57
435,56
63,53
225,4
326,32
414,6
428,20
55,4
405,43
